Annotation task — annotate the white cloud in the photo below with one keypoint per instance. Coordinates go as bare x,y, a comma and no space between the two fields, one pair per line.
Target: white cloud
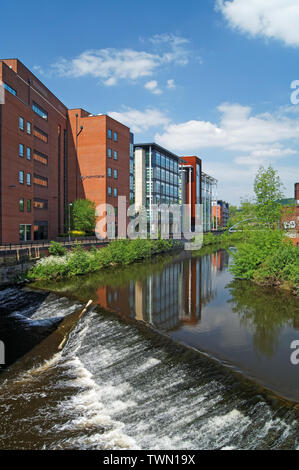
111,65
141,121
238,130
170,84
272,19
152,86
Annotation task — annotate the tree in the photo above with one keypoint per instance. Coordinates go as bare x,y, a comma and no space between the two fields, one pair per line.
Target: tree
268,191
243,213
84,215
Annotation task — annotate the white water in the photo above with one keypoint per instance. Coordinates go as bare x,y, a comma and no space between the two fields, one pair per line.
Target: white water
112,388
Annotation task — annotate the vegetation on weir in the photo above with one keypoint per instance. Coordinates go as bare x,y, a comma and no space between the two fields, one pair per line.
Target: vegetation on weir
79,261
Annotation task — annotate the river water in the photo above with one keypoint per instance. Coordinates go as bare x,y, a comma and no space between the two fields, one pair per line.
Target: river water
174,354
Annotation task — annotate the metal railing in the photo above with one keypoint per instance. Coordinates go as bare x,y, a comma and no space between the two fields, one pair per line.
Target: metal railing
46,243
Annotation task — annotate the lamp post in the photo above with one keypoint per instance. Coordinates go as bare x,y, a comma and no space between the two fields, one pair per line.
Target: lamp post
70,205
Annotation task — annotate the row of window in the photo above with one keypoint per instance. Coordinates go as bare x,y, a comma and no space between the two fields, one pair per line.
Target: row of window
37,179
164,189
40,111
37,204
115,192
115,173
163,175
115,135
22,125
38,156
22,205
10,89
115,154
163,161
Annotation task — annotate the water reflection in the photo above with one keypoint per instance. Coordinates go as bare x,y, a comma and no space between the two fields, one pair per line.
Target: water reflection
195,300
170,297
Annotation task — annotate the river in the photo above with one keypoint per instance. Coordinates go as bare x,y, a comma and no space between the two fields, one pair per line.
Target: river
174,354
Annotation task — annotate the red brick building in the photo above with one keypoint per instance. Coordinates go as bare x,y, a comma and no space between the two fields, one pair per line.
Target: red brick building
40,173
33,125
191,183
101,170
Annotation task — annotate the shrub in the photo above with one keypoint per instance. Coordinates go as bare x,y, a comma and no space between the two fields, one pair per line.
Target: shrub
77,233
79,261
56,249
253,253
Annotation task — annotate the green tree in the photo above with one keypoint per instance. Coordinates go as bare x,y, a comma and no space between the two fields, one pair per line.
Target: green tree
243,213
268,191
84,215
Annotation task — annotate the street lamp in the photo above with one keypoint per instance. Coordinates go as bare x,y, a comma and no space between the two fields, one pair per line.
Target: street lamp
70,205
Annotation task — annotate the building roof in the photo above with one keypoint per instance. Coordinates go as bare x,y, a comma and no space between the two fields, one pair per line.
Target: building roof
157,146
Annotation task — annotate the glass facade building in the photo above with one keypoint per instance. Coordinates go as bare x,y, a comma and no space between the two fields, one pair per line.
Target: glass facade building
156,175
209,190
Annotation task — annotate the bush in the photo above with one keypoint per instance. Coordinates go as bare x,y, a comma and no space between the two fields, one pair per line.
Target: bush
260,246
56,249
77,233
79,261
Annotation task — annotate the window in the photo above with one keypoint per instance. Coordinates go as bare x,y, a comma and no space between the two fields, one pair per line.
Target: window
21,123
10,89
109,134
40,134
109,172
115,174
21,204
115,155
109,191
40,180
21,177
40,111
28,179
115,192
40,203
21,150
28,205
29,128
115,136
109,153
28,153
40,157
25,233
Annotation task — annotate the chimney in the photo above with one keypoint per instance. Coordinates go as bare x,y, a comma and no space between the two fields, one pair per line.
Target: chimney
297,194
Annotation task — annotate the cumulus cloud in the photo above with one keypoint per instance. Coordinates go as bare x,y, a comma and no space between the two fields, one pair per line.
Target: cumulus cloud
152,86
112,65
141,121
272,19
170,84
238,130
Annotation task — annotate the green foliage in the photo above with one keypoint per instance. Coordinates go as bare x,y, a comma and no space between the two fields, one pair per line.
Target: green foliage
79,261
282,265
267,188
84,218
267,257
56,249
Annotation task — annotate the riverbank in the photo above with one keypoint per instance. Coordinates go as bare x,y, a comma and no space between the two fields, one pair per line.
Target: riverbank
118,253
268,258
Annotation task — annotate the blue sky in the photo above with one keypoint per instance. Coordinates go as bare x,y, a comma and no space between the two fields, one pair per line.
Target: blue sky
209,78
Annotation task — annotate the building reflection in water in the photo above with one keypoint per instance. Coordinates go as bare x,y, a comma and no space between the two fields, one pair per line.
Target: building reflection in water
169,297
